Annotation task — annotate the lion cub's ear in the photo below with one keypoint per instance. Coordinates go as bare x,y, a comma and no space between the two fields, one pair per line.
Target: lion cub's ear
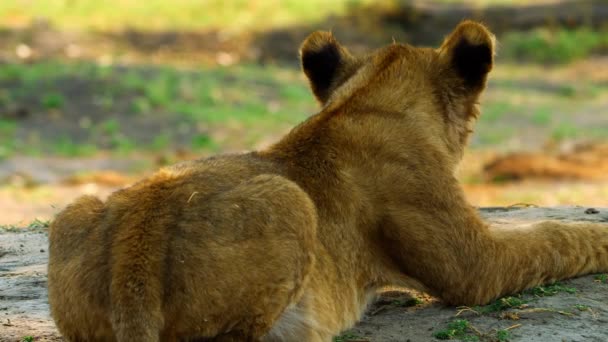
326,63
469,49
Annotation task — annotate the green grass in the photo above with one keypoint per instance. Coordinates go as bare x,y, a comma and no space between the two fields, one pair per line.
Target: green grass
238,106
52,101
456,330
253,98
65,147
564,131
522,107
122,144
408,303
502,304
161,141
110,127
503,335
9,227
517,301
495,111
461,329
203,142
346,337
550,290
542,116
239,15
7,137
602,278
27,339
37,224
544,45
493,136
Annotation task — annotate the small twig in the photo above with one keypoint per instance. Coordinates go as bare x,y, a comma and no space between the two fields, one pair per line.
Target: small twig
462,309
475,330
514,326
593,313
547,310
378,310
510,315
522,204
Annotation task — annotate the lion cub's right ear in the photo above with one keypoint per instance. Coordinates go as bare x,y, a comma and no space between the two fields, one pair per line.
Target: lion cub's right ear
326,64
470,50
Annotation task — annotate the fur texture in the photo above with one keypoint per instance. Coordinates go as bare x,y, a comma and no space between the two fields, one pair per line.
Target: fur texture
291,243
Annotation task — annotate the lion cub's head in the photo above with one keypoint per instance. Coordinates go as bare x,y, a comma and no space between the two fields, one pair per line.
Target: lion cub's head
434,90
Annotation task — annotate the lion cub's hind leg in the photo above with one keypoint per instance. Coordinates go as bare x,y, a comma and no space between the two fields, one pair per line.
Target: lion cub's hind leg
250,250
299,322
77,270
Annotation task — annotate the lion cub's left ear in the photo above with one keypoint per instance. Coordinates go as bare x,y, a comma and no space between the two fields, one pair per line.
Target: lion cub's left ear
326,63
469,49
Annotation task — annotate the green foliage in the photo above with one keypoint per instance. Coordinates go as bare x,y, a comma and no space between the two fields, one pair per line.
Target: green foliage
346,337
246,96
9,227
581,307
494,136
161,141
542,116
202,141
545,45
176,14
122,144
496,110
550,290
503,335
564,130
52,101
407,303
36,224
141,105
602,278
7,137
501,304
64,146
110,127
518,301
28,339
160,90
7,126
458,329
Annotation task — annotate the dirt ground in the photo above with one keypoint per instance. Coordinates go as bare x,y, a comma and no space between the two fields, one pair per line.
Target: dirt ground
578,316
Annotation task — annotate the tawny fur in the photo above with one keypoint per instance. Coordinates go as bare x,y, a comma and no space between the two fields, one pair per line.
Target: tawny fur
292,242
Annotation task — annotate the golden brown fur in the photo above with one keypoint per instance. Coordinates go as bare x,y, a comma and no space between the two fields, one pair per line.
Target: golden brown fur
291,243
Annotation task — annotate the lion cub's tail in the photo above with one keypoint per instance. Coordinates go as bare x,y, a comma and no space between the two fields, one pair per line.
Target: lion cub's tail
138,253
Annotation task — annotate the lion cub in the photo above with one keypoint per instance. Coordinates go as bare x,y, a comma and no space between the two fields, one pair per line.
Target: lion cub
292,242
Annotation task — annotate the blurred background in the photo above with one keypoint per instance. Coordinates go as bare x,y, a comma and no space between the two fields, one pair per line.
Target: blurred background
95,94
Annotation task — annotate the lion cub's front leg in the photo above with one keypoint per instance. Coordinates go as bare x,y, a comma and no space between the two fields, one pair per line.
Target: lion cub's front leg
463,261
